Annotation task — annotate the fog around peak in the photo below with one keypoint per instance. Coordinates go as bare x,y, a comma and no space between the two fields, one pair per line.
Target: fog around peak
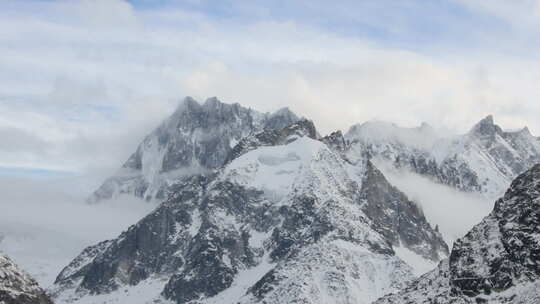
45,224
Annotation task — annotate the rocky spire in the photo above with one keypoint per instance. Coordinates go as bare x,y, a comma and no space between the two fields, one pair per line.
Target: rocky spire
275,120
485,127
195,138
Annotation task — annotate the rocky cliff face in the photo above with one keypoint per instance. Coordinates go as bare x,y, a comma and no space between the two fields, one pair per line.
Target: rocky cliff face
17,287
259,208
194,140
498,261
198,138
484,160
285,219
397,218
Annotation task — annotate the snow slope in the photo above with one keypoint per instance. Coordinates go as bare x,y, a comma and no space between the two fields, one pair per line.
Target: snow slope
286,219
195,139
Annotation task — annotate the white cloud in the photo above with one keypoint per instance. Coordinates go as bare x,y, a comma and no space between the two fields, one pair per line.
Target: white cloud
102,14
81,83
442,205
45,223
90,78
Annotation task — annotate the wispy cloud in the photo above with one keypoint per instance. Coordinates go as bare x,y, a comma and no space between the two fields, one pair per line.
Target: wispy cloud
83,81
441,204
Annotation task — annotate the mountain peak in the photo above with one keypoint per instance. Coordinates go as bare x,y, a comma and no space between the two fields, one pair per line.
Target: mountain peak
425,126
486,126
525,131
488,119
197,137
381,133
212,102
335,140
187,103
284,111
281,118
189,100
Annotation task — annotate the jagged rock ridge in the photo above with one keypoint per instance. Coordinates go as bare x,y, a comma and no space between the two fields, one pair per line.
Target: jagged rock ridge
261,202
484,160
498,261
17,287
198,138
195,139
286,219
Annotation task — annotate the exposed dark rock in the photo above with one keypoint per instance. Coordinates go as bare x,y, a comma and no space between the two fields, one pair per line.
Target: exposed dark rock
335,141
17,287
195,139
398,219
498,261
484,160
272,137
211,228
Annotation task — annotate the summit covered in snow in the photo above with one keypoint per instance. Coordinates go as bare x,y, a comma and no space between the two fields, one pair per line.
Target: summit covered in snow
260,208
195,139
484,160
286,219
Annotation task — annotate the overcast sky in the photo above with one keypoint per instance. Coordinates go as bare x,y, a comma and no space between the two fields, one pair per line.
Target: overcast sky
81,82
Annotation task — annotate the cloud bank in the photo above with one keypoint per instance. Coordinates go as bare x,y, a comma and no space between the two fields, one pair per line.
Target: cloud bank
455,212
44,223
83,81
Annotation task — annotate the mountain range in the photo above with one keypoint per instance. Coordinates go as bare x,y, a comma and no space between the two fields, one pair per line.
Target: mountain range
260,208
198,138
484,160
284,207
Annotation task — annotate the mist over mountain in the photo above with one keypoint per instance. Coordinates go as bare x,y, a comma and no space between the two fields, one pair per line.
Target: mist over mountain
244,152
195,139
283,201
278,204
495,262
484,160
44,223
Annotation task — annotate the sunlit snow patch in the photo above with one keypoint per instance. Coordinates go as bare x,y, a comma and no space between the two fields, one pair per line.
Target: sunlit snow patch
274,168
419,264
147,291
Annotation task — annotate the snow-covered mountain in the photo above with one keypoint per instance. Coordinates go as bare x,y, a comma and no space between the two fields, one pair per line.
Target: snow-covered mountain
286,219
198,138
498,261
17,287
484,160
259,208
195,139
